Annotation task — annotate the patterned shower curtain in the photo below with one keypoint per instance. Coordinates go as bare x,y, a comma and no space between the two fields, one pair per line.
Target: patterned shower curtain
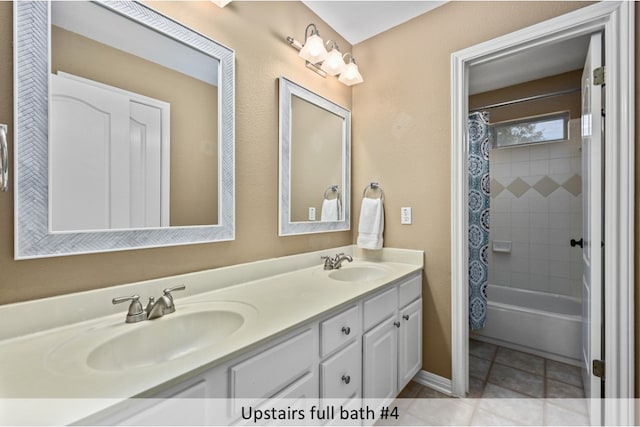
479,197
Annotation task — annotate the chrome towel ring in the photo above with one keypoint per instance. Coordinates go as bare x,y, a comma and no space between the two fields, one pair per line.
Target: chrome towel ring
373,186
331,189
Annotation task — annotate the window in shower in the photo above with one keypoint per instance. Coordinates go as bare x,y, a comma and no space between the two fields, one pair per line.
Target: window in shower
546,128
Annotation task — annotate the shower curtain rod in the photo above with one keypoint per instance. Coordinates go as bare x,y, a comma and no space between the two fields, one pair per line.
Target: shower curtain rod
527,99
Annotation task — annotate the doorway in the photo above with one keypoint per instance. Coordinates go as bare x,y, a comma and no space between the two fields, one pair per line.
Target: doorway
615,20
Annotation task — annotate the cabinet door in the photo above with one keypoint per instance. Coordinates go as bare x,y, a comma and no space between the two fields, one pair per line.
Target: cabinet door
266,373
186,407
410,342
305,387
380,360
340,375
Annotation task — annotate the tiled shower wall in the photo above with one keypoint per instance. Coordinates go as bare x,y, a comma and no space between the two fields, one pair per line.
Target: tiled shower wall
536,204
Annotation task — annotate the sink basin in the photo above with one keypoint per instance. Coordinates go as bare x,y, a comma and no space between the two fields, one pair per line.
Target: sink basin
117,347
359,273
164,339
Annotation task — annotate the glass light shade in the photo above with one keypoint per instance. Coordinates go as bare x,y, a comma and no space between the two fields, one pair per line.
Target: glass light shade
351,76
314,50
334,64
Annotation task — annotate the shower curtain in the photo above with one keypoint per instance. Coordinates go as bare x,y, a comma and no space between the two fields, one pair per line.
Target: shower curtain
479,197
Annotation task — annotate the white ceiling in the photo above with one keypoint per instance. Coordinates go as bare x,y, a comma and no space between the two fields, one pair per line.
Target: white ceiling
358,20
531,64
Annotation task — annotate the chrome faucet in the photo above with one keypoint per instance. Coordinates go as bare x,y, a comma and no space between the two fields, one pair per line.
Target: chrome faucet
164,305
335,262
154,309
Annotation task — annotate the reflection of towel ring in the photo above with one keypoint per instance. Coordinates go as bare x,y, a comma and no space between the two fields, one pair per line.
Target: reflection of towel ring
332,189
373,186
4,159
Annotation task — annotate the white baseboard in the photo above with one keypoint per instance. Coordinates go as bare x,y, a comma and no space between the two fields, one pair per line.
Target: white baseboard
436,382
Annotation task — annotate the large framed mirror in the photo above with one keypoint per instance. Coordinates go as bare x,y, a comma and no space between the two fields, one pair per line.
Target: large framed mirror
315,162
124,130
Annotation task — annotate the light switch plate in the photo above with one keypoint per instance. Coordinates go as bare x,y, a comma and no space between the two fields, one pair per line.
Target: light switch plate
405,215
312,214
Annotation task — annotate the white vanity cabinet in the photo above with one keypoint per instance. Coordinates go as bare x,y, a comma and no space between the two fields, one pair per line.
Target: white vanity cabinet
392,342
370,349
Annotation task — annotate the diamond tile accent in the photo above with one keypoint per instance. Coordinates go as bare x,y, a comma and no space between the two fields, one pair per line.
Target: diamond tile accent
546,186
573,185
496,188
518,187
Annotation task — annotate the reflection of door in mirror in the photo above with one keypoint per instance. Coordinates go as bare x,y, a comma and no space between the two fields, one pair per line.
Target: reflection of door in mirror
106,163
95,44
316,158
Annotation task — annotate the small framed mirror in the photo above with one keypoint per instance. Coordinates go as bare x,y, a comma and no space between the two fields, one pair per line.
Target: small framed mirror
315,162
124,130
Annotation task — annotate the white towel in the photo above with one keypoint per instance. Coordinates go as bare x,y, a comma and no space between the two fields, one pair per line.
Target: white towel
330,210
371,224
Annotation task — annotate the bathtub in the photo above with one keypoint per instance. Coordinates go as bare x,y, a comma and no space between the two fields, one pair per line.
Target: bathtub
536,322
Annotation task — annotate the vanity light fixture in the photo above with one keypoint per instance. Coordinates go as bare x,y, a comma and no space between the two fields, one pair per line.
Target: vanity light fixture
313,49
351,75
334,64
317,59
221,3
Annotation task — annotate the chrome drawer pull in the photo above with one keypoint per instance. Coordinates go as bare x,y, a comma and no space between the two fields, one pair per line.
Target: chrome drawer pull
346,379
346,330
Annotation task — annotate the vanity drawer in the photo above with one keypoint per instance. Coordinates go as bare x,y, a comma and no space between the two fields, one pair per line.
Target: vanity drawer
341,374
339,329
266,373
410,290
380,307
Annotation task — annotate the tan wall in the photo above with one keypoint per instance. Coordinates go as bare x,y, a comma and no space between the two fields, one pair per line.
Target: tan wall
569,102
256,31
193,123
316,157
401,128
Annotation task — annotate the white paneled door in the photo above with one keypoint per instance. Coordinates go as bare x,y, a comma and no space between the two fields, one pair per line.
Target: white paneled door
592,199
106,157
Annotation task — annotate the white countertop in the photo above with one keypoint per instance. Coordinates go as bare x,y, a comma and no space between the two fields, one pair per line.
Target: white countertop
35,365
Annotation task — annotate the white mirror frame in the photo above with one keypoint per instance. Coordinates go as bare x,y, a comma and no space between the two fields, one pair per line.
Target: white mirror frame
33,237
286,227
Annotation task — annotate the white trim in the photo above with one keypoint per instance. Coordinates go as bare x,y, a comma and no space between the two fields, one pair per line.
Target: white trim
433,381
616,19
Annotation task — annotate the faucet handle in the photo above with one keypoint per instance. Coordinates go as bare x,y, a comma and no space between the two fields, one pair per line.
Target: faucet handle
328,262
167,292
135,313
174,288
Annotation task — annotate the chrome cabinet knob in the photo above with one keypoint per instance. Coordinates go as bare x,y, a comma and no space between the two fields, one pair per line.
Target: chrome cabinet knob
346,379
346,330
397,324
405,316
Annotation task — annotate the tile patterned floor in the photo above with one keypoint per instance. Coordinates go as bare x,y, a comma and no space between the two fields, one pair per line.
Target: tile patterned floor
506,387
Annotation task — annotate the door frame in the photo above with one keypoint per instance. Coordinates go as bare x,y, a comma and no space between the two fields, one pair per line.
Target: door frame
616,20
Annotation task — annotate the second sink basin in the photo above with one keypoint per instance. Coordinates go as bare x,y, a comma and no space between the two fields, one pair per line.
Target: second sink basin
359,273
